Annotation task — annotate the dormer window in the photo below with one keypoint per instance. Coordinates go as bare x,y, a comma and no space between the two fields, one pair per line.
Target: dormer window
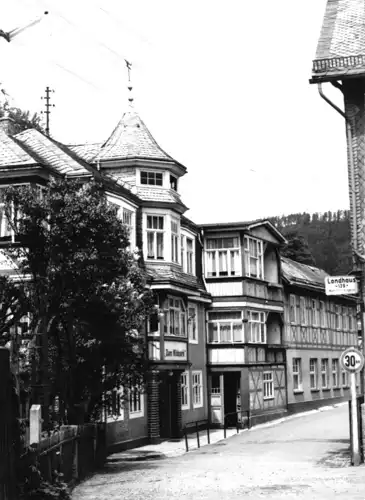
152,178
173,182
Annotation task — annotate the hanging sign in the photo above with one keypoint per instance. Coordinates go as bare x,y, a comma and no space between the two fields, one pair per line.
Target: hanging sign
341,285
175,351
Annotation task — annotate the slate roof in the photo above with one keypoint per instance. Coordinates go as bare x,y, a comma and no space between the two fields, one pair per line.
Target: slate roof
11,153
87,152
245,225
166,273
158,194
131,139
51,153
301,274
341,46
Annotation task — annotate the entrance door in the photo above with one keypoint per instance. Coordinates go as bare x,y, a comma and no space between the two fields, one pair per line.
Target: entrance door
231,390
168,406
216,398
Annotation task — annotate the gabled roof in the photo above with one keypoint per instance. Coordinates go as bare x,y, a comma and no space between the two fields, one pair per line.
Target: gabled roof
51,153
296,273
341,46
131,139
88,152
11,153
245,226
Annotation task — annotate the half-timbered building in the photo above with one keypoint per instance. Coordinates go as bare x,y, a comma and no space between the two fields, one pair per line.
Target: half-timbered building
245,354
317,329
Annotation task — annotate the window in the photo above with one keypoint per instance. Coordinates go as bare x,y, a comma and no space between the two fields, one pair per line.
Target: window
127,217
155,237
174,240
322,314
185,403
197,389
254,262
335,367
225,326
313,312
173,182
303,312
175,318
135,399
292,308
223,257
345,378
151,178
297,374
351,319
268,385
189,256
193,324
256,327
6,231
313,373
324,373
338,324
115,408
182,249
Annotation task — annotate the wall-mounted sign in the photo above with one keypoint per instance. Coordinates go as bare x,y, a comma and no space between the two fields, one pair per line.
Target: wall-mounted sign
176,351
341,285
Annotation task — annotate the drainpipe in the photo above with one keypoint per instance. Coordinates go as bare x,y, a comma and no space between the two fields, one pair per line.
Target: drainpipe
354,213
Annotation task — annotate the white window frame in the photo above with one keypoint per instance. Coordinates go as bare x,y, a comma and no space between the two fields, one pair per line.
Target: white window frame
112,416
268,385
193,332
314,312
197,378
297,375
6,231
218,261
313,373
151,174
259,337
134,390
179,321
322,314
344,378
335,371
190,252
324,373
156,231
259,258
185,391
175,239
303,311
222,324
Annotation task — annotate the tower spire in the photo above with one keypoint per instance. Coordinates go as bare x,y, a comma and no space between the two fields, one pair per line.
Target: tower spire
130,86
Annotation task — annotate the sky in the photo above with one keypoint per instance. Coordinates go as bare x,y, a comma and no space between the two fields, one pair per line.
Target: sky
223,86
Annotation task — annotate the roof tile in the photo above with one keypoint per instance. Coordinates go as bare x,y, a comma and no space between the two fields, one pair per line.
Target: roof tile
87,152
296,272
12,153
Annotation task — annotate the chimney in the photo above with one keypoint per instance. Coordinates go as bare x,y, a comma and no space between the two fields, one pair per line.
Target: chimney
7,125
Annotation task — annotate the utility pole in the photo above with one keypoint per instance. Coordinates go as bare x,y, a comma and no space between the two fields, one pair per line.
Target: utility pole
47,105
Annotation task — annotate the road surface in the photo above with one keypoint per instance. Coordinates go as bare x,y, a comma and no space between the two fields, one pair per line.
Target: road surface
302,458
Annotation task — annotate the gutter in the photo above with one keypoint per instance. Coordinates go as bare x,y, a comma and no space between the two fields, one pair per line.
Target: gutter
351,160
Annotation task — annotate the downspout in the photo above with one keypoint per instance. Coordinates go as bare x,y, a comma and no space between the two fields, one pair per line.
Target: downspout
351,161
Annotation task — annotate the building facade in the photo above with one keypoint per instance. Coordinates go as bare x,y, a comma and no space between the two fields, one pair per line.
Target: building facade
245,352
317,329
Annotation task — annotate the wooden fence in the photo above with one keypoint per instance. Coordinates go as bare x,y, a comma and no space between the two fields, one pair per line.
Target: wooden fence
74,451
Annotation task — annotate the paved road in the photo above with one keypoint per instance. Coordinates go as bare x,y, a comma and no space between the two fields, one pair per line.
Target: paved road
303,458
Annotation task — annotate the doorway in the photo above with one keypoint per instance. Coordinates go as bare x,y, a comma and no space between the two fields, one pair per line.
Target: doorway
231,397
168,406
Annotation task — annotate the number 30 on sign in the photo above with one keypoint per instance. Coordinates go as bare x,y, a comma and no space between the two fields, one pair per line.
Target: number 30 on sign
352,360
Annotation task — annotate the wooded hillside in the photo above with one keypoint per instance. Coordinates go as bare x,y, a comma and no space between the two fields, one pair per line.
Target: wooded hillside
319,239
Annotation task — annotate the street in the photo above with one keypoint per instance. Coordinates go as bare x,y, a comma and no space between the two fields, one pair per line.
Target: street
299,458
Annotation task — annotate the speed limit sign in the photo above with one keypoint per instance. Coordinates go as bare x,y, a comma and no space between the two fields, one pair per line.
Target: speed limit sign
352,360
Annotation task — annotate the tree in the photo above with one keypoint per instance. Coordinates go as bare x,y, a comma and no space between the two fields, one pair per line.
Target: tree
87,293
23,119
297,249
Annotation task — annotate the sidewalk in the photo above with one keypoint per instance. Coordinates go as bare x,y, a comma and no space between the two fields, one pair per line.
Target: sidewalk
176,447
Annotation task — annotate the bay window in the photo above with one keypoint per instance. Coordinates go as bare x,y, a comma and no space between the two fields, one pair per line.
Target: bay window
155,237
189,256
174,240
175,318
225,327
254,258
256,327
223,257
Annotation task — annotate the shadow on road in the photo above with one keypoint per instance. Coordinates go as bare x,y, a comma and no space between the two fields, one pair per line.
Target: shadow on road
336,458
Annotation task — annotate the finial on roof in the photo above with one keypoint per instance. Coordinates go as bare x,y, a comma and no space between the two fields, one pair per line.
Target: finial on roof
130,87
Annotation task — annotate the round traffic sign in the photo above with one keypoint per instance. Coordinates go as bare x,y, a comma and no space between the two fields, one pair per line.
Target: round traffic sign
352,360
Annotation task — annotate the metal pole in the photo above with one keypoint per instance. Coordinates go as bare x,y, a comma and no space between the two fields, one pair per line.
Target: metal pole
186,440
354,423
208,432
197,434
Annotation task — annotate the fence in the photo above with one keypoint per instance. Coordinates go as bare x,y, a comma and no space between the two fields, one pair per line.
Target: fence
73,451
239,419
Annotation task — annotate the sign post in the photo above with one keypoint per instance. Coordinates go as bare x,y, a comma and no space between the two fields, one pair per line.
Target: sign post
352,360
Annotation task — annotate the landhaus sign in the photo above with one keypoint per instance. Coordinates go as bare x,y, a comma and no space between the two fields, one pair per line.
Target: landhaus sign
175,351
341,285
